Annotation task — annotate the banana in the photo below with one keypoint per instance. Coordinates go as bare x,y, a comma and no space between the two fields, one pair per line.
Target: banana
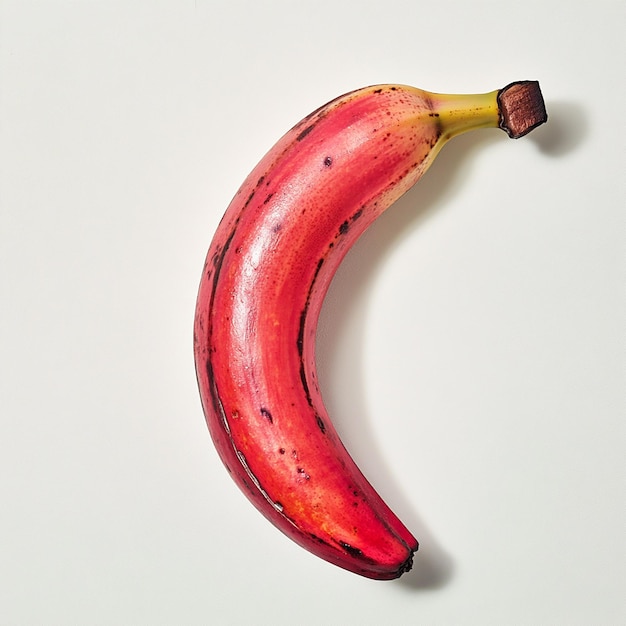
265,277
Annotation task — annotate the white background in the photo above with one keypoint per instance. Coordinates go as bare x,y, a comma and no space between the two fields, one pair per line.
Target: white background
472,349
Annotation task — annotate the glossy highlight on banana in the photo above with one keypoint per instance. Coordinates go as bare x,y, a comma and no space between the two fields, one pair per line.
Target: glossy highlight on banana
266,273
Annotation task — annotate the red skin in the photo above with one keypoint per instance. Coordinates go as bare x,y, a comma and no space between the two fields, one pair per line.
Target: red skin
266,274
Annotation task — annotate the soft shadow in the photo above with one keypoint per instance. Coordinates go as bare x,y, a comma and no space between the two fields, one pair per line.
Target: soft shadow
342,329
566,129
432,567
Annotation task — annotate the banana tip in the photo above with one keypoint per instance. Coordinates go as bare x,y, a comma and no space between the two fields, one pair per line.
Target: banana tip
521,107
407,566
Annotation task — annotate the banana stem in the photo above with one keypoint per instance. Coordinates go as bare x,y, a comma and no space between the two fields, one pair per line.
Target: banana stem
516,109
521,108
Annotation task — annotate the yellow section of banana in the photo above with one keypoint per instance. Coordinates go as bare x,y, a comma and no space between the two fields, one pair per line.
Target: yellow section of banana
461,113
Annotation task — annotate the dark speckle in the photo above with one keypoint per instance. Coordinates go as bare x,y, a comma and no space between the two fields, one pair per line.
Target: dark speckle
328,161
249,199
320,423
351,550
357,214
343,229
305,132
267,415
281,450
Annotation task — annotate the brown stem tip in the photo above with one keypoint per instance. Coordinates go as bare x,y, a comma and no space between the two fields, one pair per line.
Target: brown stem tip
521,108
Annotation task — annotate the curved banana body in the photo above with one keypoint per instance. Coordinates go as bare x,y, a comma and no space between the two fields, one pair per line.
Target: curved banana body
266,274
